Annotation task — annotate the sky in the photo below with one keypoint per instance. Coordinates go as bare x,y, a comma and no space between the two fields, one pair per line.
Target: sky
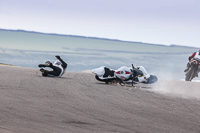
150,21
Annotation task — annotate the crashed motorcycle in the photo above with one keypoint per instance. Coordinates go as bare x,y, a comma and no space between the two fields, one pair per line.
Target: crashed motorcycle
123,75
193,69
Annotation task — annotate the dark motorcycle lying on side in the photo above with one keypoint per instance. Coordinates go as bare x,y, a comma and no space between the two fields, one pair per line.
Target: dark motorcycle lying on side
193,69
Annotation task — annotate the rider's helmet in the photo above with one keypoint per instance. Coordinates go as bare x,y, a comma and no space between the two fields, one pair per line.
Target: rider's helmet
48,63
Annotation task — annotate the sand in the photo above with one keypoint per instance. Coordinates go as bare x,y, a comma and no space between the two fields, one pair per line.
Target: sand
77,103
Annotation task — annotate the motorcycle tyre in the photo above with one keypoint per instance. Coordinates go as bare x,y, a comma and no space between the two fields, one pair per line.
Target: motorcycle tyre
190,74
152,79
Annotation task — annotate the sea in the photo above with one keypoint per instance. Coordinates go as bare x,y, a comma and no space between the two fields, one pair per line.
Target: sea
28,49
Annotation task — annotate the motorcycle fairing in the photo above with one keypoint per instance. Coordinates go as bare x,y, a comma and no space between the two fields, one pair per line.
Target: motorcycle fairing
104,73
123,72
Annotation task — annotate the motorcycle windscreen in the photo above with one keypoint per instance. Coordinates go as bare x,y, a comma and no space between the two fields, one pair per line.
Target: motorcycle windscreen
98,71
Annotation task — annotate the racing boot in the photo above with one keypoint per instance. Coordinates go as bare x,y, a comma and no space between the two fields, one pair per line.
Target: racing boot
48,64
44,72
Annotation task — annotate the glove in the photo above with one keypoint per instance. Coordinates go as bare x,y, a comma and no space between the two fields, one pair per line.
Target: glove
58,57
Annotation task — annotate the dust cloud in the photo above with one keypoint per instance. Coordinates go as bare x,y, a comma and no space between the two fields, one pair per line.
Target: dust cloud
178,88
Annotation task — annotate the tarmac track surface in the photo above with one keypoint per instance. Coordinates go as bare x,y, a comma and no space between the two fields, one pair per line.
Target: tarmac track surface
77,103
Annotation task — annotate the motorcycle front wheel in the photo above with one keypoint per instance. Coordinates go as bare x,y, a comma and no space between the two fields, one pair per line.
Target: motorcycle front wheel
190,74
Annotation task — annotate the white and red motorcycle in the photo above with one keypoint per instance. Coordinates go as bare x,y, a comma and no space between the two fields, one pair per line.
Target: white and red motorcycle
124,75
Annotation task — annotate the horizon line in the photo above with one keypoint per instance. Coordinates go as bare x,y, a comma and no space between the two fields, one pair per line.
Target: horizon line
99,38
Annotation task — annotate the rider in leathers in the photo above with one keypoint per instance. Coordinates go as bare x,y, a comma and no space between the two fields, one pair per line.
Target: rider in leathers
58,67
196,56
